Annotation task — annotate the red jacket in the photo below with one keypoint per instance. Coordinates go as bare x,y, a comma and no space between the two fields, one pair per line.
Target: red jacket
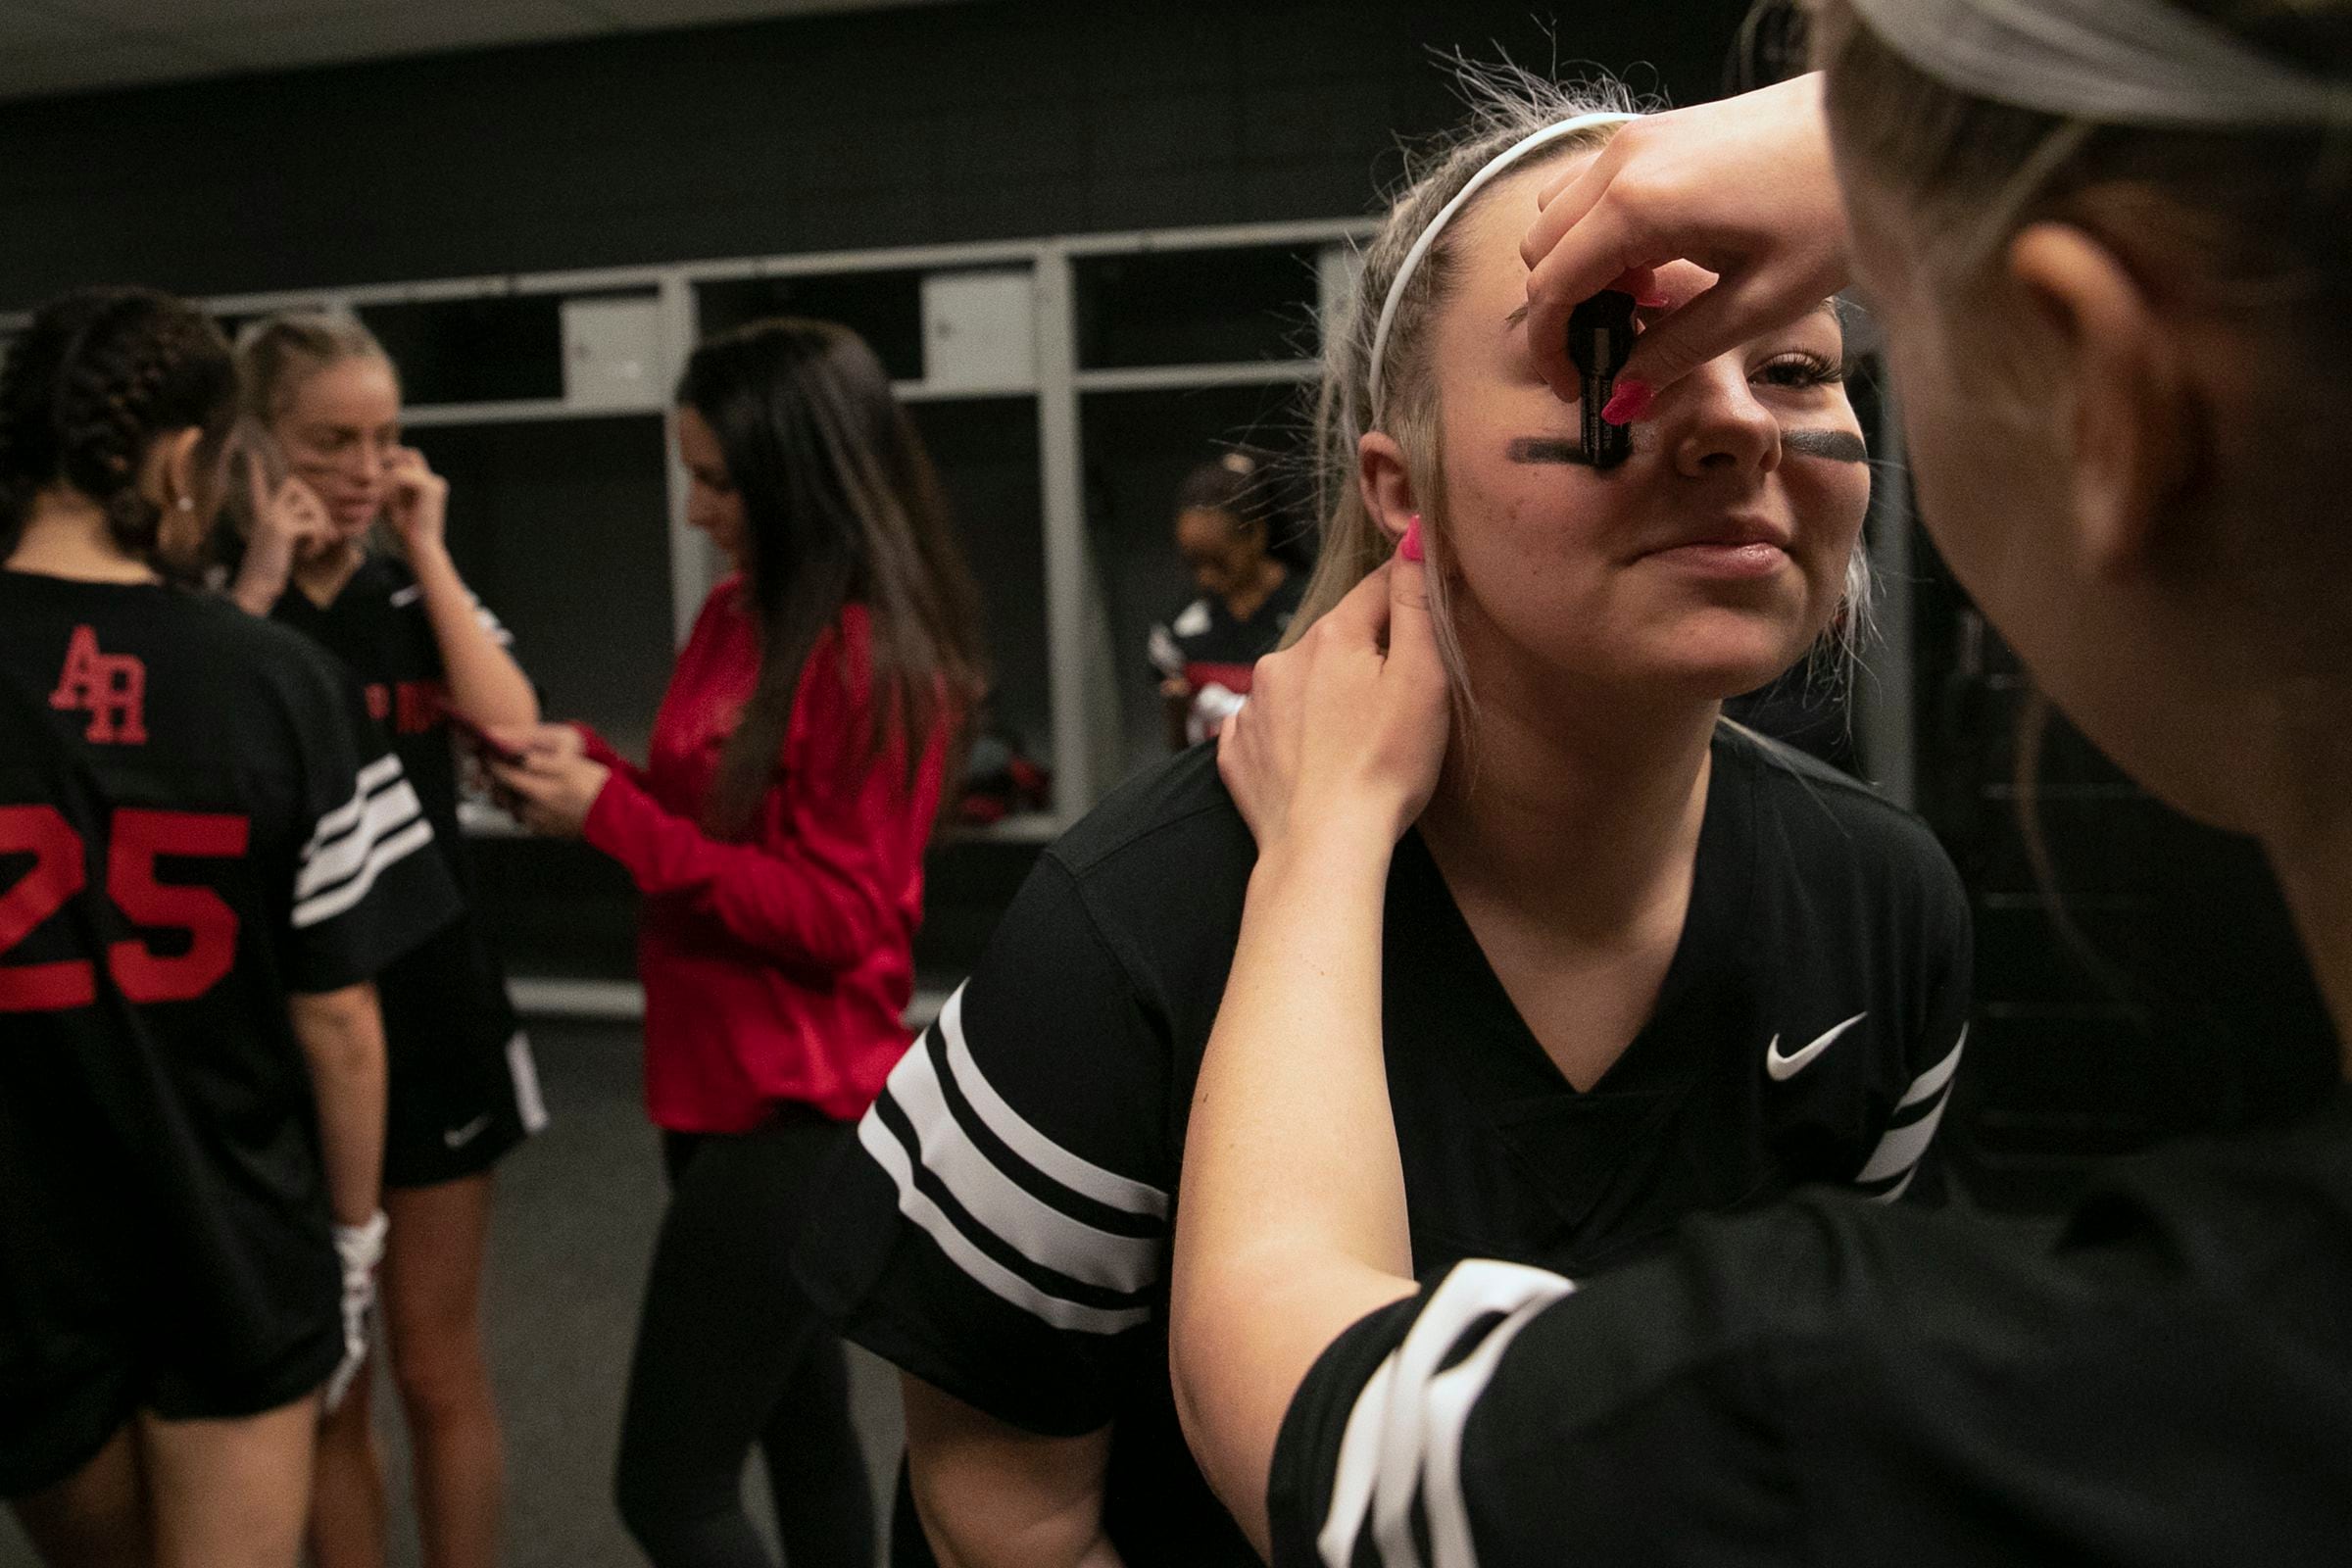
777,967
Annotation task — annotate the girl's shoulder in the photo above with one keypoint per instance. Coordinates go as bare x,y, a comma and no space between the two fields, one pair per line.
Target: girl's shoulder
1828,823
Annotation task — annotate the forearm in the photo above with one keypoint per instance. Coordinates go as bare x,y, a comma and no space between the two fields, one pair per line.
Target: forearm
342,1036
486,684
1292,1220
992,1495
825,912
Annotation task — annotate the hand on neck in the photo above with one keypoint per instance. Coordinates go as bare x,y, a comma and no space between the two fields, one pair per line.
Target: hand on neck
67,536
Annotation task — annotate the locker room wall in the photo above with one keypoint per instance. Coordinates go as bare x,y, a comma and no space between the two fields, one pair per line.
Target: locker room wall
989,119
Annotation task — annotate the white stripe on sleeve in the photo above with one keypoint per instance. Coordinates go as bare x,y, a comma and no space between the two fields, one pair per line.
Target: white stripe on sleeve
1405,1433
1023,1221
1934,1078
333,901
1358,1464
335,823
985,1271
1900,1150
384,813
1050,1158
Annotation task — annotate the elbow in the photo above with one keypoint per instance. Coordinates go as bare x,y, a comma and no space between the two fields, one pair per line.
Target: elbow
1193,1373
342,1033
1186,1365
504,707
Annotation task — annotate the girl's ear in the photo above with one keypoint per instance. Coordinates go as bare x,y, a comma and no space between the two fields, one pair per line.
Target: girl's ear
171,477
1388,489
2133,427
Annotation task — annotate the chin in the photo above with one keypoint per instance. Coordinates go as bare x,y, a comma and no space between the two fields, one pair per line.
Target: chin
1723,658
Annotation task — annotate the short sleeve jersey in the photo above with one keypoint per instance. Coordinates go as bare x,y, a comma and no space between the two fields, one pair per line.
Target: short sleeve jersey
1003,1230
1216,653
197,817
2169,1383
453,988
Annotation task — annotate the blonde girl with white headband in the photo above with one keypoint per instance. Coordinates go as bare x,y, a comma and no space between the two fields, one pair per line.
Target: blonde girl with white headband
2106,240
1642,966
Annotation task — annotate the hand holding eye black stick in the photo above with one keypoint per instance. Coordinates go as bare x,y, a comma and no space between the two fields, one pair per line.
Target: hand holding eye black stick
1601,338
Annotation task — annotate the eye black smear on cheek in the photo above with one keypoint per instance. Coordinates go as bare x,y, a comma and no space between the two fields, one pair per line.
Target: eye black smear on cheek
1839,446
1547,449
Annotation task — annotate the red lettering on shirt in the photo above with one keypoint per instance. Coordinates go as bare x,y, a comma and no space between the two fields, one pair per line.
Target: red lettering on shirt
111,686
418,705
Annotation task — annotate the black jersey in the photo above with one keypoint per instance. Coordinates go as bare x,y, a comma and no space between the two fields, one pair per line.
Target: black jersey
196,818
1213,652
452,990
1004,1235
2170,1383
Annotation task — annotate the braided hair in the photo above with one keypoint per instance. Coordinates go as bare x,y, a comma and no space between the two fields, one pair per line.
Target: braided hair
97,377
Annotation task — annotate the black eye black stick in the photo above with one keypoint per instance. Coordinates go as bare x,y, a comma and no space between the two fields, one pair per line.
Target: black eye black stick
1601,338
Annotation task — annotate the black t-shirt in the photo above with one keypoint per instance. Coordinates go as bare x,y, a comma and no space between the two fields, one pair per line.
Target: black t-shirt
1002,1232
2170,1383
1216,654
196,817
453,988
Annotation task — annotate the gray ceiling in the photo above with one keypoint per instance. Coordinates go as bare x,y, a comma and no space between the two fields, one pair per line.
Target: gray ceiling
61,46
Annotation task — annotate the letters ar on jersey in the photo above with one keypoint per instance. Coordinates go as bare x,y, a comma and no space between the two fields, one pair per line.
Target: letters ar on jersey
111,687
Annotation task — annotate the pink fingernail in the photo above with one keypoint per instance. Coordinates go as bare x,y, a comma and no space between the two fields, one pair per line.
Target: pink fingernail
1631,403
1653,302
1408,548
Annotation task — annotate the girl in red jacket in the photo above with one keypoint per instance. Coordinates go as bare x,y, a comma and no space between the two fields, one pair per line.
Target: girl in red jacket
777,833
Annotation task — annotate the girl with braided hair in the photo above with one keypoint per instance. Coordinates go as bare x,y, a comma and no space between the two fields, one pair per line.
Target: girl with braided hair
206,857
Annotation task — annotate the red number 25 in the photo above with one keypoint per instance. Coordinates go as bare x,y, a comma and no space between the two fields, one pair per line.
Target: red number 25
58,872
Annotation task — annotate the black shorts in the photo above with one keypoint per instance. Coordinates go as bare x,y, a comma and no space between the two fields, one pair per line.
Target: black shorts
457,1103
51,1429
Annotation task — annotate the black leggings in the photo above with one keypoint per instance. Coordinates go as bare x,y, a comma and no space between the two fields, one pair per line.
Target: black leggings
730,1352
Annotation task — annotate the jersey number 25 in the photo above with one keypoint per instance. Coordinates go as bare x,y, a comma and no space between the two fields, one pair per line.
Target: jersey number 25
135,838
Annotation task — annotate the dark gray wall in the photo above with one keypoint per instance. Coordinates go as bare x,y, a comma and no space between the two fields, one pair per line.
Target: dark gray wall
996,118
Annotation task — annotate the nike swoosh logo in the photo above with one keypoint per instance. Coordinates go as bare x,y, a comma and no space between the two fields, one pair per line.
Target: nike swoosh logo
1783,1068
460,1137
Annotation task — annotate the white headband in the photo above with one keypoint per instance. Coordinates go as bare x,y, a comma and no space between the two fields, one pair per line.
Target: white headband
1437,225
2116,62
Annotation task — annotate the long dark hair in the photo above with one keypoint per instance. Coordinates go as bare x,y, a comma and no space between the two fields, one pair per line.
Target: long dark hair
92,383
842,507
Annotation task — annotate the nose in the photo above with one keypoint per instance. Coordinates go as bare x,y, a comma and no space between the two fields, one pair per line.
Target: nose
367,460
1716,425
